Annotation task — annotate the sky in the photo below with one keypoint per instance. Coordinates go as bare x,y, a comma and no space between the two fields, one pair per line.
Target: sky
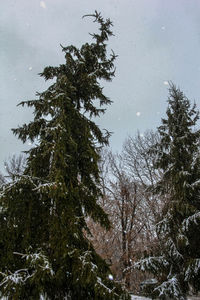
156,42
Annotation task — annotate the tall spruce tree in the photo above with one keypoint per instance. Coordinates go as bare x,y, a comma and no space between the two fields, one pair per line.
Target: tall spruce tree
43,230
177,264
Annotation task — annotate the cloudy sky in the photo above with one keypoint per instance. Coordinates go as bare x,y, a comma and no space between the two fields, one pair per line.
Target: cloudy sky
156,41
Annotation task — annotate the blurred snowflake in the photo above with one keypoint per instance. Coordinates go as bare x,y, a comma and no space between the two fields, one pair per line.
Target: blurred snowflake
42,4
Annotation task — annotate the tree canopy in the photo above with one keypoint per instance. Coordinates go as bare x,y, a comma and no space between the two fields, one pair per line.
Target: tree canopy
43,236
177,263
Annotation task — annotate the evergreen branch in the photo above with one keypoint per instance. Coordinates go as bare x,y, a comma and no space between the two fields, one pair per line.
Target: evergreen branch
191,220
170,288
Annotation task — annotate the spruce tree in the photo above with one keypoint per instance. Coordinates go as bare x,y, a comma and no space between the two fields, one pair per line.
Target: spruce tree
43,229
177,263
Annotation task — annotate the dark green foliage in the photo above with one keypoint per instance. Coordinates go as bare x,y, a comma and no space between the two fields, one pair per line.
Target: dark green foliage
43,219
178,263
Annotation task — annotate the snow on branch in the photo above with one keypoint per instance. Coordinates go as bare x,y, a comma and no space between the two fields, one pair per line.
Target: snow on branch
7,187
18,277
45,187
196,183
36,262
19,179
100,284
86,261
164,224
88,265
194,219
193,269
151,264
41,260
173,251
170,288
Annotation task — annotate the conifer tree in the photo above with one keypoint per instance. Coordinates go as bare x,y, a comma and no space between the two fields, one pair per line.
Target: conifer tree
43,231
177,263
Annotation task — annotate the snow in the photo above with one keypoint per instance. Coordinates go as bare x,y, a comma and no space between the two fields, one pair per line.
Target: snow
150,262
173,251
110,276
169,288
139,298
194,219
42,4
133,297
193,268
138,114
165,82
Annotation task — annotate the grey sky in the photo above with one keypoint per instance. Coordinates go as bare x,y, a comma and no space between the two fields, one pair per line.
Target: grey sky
155,40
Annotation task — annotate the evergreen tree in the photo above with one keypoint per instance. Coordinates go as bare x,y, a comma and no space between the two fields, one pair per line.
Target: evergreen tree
177,263
43,235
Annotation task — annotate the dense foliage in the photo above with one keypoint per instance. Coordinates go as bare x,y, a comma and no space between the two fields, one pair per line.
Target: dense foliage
44,248
177,262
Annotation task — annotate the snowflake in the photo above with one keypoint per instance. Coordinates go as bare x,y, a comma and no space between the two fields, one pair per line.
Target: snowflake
42,4
110,276
138,113
165,82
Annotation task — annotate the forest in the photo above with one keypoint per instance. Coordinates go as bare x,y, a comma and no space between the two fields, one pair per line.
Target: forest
78,221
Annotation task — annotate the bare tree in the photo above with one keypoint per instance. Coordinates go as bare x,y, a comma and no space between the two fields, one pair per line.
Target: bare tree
127,183
123,201
14,166
139,161
127,198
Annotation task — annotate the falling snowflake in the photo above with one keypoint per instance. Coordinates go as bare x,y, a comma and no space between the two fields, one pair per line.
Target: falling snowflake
110,276
165,82
42,4
30,68
138,113
163,27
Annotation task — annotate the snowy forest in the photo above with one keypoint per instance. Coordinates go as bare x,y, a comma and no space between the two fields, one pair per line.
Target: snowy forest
78,221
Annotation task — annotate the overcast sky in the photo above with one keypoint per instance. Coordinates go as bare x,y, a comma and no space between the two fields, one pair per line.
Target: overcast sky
156,41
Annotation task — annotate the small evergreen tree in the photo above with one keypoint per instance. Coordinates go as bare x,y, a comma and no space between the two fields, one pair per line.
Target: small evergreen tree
177,264
44,249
